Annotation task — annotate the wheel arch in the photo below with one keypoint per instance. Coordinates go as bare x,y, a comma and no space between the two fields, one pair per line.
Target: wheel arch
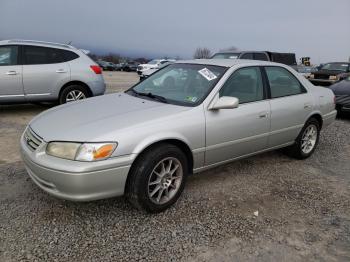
317,116
183,146
75,82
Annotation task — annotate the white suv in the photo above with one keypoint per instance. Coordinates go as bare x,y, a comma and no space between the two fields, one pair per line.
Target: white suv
34,71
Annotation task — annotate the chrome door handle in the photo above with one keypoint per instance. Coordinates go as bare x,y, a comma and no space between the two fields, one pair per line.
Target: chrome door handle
11,73
61,71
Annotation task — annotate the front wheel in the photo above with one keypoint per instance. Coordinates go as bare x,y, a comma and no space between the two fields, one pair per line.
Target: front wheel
157,178
307,140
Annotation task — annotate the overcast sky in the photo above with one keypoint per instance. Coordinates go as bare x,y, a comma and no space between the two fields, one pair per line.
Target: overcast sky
316,28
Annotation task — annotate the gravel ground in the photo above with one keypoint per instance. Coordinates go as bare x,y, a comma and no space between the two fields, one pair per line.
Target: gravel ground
303,209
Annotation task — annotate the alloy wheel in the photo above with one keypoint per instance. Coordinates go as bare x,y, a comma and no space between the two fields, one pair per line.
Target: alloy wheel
309,138
75,95
165,180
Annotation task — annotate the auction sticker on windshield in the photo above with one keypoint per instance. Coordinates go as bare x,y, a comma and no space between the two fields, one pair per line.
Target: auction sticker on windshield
207,74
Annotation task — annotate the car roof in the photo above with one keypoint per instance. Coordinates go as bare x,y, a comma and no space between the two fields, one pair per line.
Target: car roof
227,62
34,42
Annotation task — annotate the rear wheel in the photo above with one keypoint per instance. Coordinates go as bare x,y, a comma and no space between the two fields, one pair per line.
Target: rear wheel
73,93
157,178
307,140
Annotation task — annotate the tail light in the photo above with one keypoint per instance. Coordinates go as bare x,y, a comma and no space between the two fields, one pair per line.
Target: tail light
96,69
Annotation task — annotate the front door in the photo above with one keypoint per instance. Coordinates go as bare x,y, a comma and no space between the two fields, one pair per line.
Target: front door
231,133
11,87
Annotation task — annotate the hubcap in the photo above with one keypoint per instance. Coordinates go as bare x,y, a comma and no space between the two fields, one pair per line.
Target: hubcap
308,140
165,180
75,95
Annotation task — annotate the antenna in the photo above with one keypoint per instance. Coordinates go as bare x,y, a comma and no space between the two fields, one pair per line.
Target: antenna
69,42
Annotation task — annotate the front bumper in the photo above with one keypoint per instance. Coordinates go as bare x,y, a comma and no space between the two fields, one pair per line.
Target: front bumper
74,180
322,82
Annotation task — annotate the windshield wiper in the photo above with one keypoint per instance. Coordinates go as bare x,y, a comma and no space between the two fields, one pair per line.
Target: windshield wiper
153,96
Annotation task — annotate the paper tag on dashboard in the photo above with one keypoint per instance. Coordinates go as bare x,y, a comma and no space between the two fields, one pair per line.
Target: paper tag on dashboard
207,74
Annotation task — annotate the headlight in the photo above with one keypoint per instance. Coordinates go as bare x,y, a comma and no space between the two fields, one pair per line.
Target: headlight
93,152
63,149
333,77
312,76
79,151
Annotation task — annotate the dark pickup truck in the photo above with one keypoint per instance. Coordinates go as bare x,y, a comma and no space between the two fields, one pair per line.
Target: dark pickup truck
283,58
330,73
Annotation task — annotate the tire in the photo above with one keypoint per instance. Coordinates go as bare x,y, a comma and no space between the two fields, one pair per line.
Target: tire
142,183
67,92
298,149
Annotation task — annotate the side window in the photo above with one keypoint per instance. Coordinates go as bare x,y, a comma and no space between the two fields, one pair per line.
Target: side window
36,55
247,56
68,55
282,82
8,55
245,84
260,56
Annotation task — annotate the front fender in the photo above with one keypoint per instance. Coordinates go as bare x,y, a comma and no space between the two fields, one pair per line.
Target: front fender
150,140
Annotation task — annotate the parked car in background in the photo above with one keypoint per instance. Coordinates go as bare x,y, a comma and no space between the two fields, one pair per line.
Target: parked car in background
129,66
306,71
153,64
107,66
342,94
330,73
186,118
283,58
146,73
34,71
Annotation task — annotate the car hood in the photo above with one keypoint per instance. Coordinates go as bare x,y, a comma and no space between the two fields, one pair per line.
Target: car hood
99,119
341,88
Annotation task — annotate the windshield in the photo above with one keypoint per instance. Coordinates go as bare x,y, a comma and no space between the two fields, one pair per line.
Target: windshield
180,84
226,56
153,62
336,66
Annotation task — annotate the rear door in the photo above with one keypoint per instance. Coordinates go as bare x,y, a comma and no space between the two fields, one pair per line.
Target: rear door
44,72
11,87
231,133
290,105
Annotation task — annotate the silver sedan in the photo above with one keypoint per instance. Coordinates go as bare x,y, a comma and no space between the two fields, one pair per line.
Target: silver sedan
187,117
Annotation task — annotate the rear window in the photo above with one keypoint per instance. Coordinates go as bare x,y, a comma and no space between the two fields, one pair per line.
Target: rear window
36,55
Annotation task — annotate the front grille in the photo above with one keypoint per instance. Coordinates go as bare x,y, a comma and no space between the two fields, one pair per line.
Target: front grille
343,100
325,77
32,140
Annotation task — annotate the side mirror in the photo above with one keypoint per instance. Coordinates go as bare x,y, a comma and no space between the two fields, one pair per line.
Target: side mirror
225,102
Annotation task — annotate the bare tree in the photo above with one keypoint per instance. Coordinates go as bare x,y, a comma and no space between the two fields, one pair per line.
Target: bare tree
202,52
228,49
